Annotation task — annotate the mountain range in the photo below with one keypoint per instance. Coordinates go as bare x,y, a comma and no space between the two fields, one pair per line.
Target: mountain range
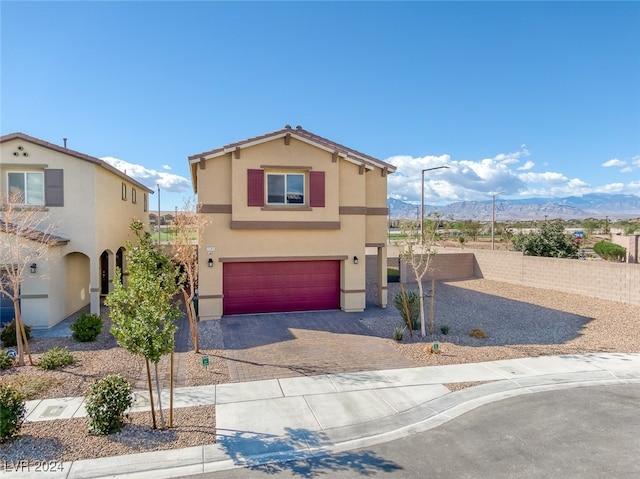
594,205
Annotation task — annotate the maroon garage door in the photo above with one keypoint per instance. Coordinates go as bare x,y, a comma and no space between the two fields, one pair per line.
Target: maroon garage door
270,287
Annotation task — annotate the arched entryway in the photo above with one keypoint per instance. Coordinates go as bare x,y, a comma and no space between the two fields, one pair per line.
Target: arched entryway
120,263
104,273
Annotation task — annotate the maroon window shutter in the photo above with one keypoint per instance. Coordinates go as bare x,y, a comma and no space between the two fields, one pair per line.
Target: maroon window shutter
255,187
316,187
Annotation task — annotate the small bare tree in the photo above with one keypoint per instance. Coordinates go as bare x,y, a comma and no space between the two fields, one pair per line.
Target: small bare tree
418,250
26,239
189,226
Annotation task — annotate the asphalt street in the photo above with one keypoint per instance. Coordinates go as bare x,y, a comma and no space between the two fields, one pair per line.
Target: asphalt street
587,432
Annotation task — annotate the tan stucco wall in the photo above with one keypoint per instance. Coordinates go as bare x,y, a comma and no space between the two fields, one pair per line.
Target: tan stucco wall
223,181
297,154
77,292
216,186
376,192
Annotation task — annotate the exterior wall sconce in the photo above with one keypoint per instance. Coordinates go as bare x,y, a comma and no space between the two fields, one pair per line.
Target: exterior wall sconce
33,268
210,263
355,260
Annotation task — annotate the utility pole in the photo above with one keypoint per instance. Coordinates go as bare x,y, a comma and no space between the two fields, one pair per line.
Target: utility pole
158,222
493,222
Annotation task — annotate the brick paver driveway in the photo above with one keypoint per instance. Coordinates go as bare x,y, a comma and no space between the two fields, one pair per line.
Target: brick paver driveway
280,345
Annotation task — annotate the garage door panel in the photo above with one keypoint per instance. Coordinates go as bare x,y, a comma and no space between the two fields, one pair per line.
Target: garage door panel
281,286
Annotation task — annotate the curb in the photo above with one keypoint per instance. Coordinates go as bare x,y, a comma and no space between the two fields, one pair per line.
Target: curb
438,411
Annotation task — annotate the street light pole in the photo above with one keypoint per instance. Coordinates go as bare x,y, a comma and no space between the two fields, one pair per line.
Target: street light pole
422,203
493,222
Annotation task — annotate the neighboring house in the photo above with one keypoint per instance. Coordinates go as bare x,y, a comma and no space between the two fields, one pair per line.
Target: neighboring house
90,206
291,215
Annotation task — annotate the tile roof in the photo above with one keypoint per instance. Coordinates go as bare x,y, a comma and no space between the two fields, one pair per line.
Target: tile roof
32,234
75,154
302,134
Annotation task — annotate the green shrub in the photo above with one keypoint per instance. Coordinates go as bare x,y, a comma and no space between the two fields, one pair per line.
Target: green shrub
8,334
87,327
413,304
106,401
12,412
398,333
610,251
444,329
6,361
55,358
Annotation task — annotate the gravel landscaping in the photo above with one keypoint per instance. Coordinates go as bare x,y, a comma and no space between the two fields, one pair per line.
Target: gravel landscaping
518,321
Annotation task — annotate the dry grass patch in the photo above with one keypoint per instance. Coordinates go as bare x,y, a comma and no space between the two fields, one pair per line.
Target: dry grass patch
31,386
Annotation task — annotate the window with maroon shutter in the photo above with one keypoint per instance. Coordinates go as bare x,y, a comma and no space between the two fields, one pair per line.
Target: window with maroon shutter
255,187
316,185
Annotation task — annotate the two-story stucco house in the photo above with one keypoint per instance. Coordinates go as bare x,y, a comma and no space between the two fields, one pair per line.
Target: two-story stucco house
90,205
290,217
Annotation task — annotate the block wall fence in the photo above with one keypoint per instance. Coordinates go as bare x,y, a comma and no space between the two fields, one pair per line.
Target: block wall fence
599,279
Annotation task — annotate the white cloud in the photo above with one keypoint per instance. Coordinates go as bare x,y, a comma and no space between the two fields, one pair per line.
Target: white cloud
613,162
577,183
611,188
477,180
149,177
514,157
463,180
549,177
527,166
166,167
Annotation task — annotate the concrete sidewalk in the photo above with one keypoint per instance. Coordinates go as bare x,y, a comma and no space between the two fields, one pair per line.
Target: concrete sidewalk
281,419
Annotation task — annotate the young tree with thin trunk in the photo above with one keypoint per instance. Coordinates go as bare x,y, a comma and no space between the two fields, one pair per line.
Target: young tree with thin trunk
26,238
143,312
418,250
188,226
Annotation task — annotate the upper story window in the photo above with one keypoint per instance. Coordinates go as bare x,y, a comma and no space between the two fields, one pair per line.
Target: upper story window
134,196
26,187
285,189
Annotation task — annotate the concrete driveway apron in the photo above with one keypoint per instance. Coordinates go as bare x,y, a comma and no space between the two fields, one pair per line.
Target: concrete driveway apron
281,345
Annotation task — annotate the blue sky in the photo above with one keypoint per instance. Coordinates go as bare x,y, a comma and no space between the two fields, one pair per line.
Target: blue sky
518,98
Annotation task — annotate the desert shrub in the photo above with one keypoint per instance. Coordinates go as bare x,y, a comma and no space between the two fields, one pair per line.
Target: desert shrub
55,358
610,251
413,304
12,412
106,401
87,327
398,333
8,334
6,361
477,333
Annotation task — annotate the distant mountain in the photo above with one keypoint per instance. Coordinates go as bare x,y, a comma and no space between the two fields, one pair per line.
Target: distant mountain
596,205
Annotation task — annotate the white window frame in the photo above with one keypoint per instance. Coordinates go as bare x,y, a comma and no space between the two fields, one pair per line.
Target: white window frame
286,199
27,196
